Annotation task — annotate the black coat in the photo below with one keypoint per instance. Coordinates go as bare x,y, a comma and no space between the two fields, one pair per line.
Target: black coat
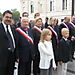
5,54
24,49
62,26
55,42
72,30
64,50
36,38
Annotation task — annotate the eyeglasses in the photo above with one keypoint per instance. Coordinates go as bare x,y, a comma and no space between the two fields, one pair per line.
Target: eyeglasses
8,17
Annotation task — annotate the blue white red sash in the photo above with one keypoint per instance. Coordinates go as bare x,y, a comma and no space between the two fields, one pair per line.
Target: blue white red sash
38,29
65,25
72,25
25,35
53,31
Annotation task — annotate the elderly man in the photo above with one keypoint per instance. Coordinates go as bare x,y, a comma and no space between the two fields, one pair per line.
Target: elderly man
24,49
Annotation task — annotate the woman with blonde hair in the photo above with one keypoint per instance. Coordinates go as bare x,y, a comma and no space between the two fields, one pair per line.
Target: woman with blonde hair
55,36
46,53
53,21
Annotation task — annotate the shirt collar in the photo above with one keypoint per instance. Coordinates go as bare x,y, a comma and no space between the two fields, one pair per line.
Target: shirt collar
5,26
65,39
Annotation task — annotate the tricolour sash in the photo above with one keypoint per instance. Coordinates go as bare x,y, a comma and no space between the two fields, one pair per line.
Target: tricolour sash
25,35
38,29
53,30
72,25
65,25
54,33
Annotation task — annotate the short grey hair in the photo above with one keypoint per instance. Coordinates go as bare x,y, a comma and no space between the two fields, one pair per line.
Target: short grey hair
24,18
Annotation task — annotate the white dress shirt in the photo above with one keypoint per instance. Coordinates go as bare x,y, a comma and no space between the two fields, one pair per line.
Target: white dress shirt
46,54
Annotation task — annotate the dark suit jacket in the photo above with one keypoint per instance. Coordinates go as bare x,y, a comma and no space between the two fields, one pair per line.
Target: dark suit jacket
24,49
36,37
4,45
55,42
73,34
62,26
64,50
72,30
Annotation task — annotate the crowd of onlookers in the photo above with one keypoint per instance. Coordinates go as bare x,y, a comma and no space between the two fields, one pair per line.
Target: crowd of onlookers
49,45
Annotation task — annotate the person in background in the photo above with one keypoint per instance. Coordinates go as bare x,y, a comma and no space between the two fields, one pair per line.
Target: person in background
65,24
24,14
46,22
13,24
64,52
32,22
36,15
0,19
46,53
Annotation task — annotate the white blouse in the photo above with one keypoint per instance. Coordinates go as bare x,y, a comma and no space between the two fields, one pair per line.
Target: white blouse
46,54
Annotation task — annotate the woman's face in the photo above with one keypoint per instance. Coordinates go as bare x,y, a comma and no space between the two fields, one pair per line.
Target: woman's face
39,23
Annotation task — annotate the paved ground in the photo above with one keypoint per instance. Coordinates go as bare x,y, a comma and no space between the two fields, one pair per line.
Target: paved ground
70,71
71,68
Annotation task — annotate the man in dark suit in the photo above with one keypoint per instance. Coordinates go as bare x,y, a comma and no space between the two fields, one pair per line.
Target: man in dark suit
46,22
7,45
65,24
72,23
24,47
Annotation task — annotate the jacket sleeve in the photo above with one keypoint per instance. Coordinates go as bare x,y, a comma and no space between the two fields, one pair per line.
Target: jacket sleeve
17,50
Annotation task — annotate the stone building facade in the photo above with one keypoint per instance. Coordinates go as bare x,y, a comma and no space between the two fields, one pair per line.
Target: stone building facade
47,8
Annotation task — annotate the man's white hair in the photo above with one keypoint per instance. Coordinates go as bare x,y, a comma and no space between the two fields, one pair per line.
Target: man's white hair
24,18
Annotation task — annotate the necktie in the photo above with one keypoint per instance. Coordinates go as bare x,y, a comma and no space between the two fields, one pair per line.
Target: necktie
10,40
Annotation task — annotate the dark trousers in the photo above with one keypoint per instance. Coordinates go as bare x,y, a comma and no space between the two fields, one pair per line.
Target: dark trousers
24,68
36,69
9,68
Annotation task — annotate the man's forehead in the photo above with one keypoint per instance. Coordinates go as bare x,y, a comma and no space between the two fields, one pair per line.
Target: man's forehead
7,14
24,19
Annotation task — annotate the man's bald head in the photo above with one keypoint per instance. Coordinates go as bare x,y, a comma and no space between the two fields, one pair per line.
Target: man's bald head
67,19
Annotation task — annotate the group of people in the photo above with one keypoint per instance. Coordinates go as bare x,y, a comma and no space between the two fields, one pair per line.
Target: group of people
49,47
